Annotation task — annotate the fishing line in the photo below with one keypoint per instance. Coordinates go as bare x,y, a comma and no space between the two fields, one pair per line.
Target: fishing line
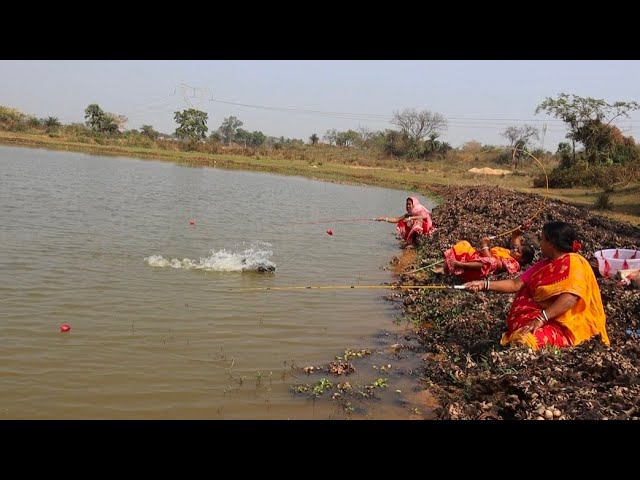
525,225
351,287
328,220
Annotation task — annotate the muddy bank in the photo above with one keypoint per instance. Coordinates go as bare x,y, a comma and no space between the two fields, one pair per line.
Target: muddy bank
466,368
458,368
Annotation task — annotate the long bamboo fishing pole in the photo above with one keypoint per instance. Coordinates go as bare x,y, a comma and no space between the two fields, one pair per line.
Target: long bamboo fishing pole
349,287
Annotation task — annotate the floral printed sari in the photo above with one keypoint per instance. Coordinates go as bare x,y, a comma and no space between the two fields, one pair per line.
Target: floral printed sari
570,273
464,252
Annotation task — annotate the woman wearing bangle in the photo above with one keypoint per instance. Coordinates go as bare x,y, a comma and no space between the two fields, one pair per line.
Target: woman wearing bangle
468,263
414,224
558,301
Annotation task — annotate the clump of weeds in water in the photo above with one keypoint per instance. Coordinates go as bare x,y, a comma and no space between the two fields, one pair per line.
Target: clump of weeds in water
349,354
321,386
315,391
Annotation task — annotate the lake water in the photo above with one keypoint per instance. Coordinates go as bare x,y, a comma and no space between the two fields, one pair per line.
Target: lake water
145,261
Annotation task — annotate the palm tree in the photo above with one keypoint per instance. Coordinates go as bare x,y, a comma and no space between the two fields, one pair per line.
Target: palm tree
94,115
52,122
314,139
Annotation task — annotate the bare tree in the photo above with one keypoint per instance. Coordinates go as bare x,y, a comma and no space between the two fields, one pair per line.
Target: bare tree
519,138
417,125
331,136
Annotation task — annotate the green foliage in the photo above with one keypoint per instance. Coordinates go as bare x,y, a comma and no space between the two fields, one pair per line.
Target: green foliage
349,354
94,116
379,383
589,121
149,132
192,124
347,139
229,128
603,201
33,122
584,175
321,386
396,143
504,157
52,122
10,118
579,175
249,139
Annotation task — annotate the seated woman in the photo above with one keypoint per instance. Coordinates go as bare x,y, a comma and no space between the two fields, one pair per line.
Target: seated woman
558,301
468,263
412,225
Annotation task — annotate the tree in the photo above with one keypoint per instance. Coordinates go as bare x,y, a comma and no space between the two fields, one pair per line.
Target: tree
314,139
331,136
94,116
229,128
111,123
586,119
432,145
519,138
417,125
250,139
347,139
366,137
114,123
396,143
52,122
215,136
192,124
258,139
148,131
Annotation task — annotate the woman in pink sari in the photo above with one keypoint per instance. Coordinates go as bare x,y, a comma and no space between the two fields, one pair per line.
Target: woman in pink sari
558,301
412,225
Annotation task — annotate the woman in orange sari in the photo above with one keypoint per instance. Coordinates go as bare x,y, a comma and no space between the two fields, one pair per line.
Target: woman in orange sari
558,301
468,263
412,225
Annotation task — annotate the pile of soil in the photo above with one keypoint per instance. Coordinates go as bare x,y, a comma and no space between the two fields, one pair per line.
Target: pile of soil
464,366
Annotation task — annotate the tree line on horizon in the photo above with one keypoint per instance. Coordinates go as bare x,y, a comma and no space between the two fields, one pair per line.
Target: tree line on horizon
592,141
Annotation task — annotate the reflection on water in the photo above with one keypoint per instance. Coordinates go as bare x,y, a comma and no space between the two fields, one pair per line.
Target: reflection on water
144,260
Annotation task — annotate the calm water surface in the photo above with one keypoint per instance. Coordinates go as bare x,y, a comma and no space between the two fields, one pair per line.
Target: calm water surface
143,260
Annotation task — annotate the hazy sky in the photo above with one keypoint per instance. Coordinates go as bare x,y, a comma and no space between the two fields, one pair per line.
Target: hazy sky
296,98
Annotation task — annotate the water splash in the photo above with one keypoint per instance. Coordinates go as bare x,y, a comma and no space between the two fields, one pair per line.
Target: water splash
254,258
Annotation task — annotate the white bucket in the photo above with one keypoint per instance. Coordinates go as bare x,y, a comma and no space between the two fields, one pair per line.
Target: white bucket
612,260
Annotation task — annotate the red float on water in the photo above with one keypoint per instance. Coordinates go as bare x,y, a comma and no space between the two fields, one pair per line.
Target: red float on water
65,328
192,222
330,232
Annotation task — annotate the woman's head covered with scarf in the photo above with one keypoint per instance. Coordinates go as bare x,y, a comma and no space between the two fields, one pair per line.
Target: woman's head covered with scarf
416,208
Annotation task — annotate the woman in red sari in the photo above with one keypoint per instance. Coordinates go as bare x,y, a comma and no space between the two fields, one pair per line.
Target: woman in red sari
412,225
468,263
558,301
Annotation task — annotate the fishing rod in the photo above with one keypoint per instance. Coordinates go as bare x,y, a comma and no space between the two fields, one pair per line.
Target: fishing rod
424,268
527,223
351,287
